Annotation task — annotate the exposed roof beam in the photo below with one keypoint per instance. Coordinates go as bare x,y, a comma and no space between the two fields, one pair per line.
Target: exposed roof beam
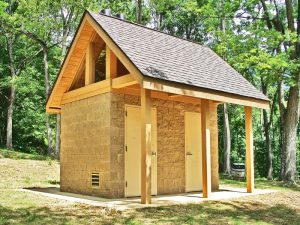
173,95
86,92
181,89
123,81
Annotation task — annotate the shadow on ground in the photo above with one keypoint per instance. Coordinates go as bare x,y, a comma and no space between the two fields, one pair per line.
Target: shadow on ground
222,213
78,214
233,212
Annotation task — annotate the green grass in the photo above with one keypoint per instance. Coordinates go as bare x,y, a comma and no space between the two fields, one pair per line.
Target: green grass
20,207
5,153
261,183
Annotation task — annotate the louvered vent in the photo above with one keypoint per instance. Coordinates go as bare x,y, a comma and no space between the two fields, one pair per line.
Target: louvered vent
95,180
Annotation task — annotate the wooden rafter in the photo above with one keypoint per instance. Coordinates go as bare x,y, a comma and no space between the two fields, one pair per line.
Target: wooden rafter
123,81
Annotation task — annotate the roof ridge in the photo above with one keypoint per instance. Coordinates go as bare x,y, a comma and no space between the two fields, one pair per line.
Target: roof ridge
140,25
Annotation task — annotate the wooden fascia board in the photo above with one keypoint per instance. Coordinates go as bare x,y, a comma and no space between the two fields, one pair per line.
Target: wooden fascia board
79,72
181,89
54,111
116,50
65,63
86,92
123,81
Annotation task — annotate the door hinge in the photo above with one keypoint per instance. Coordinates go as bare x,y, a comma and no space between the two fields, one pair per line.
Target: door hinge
126,148
126,113
125,183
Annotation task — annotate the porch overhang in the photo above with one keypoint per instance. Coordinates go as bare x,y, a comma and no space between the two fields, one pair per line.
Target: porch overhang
202,93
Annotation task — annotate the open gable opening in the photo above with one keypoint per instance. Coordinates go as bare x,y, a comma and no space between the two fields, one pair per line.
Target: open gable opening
99,57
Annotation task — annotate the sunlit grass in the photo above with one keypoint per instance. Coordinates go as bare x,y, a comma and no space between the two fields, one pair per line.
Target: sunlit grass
5,153
261,183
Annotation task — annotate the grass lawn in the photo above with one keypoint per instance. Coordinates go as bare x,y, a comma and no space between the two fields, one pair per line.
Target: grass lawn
16,207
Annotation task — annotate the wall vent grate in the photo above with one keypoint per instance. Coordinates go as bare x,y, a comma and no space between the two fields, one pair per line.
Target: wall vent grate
95,180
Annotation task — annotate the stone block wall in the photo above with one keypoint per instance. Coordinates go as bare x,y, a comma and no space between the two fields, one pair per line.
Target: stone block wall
93,140
170,143
85,145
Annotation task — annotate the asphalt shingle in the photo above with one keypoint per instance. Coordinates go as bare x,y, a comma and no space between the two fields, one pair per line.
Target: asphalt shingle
166,57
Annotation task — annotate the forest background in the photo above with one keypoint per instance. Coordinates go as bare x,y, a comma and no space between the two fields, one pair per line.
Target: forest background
259,38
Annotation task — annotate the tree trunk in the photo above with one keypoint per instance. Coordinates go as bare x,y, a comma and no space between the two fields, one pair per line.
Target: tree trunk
57,145
282,112
267,125
10,117
47,92
139,12
12,94
268,146
292,109
227,141
290,135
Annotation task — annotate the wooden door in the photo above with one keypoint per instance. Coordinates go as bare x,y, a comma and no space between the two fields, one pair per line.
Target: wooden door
193,154
133,152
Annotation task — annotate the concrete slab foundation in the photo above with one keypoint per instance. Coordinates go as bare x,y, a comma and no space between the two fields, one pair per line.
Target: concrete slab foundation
160,200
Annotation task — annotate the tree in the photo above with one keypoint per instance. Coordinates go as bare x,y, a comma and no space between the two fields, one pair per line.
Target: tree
17,61
288,99
39,33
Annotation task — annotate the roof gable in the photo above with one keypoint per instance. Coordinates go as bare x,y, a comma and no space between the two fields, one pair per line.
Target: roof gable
162,56
156,61
88,31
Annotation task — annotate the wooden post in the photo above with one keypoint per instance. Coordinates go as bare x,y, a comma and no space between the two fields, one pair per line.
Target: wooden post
249,149
206,164
214,157
111,64
89,65
145,146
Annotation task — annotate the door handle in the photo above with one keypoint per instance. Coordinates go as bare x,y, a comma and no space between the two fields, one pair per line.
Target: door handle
153,153
189,153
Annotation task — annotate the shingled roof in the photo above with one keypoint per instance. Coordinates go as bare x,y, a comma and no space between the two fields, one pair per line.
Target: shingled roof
163,56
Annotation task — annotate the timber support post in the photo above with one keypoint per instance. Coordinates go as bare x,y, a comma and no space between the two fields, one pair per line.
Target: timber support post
206,163
214,146
111,64
89,65
145,146
249,149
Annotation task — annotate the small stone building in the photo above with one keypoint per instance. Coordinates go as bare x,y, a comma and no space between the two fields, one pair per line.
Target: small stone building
139,111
